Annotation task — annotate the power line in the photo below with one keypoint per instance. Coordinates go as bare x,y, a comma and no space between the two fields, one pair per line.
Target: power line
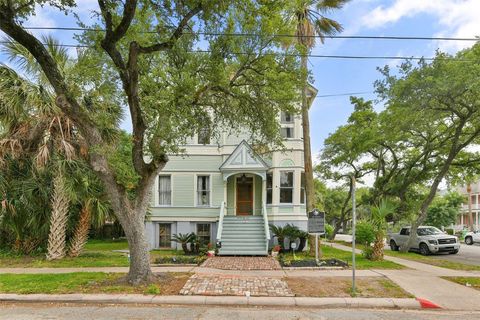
344,94
239,34
343,57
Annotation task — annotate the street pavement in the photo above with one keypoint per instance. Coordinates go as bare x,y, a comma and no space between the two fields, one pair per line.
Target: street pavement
466,255
10,311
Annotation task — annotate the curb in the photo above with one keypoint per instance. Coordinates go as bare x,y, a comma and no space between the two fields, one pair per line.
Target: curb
383,303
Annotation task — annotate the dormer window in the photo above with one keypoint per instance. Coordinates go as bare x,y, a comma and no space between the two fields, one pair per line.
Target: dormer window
204,135
286,117
286,132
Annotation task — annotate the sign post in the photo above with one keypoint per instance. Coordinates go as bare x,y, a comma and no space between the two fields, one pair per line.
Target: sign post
354,221
316,225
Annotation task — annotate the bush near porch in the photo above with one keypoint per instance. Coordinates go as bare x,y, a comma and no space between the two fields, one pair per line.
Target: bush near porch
333,253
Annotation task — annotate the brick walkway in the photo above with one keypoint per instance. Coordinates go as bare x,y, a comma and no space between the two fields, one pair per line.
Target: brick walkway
242,263
218,285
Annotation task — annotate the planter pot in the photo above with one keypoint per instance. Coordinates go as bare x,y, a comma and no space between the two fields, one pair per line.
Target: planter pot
274,254
301,245
210,253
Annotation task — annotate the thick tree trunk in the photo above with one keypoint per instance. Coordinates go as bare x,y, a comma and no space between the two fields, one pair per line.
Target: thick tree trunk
80,236
140,271
307,155
58,221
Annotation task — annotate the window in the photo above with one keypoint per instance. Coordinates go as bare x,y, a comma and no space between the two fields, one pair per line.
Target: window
164,190
204,135
203,190
302,187
165,235
286,117
405,232
203,233
286,186
269,187
286,133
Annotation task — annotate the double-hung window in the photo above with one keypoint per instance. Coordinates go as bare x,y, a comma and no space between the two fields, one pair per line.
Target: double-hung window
286,186
203,233
204,135
164,190
287,125
269,188
203,190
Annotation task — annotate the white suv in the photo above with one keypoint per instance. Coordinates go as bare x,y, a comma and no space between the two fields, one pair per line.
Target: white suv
472,237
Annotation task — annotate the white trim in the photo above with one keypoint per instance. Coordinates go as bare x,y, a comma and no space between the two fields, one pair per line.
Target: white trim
195,196
280,187
157,202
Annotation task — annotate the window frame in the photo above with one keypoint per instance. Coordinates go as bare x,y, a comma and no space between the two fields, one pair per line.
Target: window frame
168,237
204,132
283,117
209,191
170,191
209,232
269,190
291,188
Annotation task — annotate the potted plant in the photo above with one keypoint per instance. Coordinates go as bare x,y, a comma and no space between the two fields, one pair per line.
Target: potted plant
280,234
184,240
275,250
210,250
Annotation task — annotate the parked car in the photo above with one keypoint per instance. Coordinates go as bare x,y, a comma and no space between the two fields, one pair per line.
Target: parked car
428,240
472,237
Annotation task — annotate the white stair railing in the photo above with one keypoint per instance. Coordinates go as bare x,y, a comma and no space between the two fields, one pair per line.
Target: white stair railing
266,226
220,221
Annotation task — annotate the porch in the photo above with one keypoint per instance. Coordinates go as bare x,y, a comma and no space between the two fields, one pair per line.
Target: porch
243,227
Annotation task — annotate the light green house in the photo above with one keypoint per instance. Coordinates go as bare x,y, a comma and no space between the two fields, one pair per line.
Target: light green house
226,193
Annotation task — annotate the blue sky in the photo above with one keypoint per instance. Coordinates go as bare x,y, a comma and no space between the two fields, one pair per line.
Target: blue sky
453,18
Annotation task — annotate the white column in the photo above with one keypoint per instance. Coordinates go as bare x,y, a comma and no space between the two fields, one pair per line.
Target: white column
264,192
225,194
476,222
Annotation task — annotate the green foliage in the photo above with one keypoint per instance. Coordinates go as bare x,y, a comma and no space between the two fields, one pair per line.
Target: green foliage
328,230
444,210
365,233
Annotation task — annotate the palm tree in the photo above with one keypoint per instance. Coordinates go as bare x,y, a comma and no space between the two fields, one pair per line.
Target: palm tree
33,125
94,209
378,220
184,240
310,22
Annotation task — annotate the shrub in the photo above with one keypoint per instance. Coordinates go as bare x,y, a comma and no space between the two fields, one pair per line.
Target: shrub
365,233
180,259
328,230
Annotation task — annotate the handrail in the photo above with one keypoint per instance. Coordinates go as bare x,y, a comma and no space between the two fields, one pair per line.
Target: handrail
265,223
220,221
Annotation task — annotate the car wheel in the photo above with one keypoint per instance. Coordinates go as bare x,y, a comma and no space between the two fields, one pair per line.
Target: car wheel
424,249
469,241
393,246
453,252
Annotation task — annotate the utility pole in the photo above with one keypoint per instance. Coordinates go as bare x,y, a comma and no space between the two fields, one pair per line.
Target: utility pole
354,222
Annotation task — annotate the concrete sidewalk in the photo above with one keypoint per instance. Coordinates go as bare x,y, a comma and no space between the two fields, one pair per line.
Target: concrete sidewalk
423,281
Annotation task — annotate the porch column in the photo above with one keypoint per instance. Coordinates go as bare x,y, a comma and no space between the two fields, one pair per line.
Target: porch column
264,192
461,219
225,194
476,222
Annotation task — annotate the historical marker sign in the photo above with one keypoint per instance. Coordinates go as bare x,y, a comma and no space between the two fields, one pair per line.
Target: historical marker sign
316,221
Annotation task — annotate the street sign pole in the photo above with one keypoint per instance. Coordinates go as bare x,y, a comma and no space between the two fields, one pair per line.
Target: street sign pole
354,222
316,247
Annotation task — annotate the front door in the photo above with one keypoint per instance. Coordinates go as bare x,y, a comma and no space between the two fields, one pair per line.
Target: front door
244,196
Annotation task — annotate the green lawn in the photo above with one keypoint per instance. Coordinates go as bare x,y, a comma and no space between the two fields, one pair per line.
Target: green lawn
361,262
414,256
97,253
87,282
473,282
432,261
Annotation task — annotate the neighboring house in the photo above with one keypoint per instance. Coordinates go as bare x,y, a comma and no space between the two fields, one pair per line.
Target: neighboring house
225,192
464,217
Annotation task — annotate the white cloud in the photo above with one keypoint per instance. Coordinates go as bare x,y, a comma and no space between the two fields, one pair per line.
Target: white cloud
456,18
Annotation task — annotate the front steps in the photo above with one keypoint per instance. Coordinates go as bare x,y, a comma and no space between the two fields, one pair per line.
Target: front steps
243,236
